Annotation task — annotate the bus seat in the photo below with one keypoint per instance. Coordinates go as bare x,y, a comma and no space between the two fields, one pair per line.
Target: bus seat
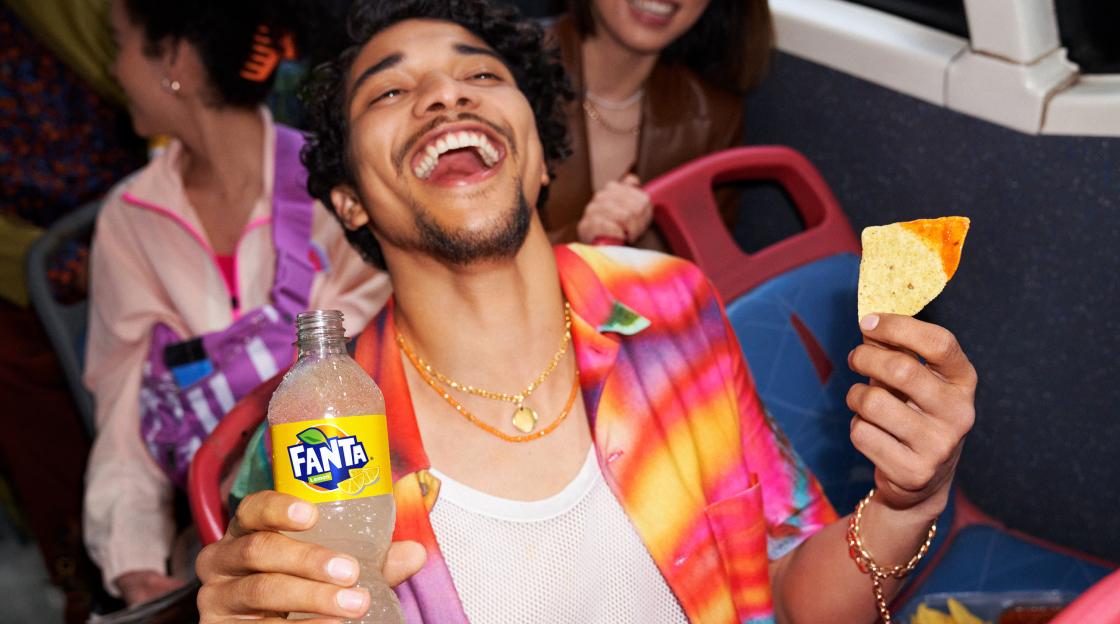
982,558
65,324
792,306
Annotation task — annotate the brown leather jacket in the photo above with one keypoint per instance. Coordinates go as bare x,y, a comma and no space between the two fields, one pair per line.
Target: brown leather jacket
683,117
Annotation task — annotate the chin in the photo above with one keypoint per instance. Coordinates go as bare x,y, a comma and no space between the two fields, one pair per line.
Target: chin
142,127
490,238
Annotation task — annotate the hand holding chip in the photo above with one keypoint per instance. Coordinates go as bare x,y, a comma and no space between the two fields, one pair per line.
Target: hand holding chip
912,418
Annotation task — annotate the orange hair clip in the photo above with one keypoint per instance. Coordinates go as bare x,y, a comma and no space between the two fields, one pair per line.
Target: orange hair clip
264,57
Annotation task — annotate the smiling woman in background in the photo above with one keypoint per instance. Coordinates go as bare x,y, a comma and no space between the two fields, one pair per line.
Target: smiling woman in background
199,263
658,83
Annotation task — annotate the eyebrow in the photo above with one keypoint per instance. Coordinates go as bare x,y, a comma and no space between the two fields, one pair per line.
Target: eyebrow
463,48
394,59
386,63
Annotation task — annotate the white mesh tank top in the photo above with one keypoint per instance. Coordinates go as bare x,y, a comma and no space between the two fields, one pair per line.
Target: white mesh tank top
573,557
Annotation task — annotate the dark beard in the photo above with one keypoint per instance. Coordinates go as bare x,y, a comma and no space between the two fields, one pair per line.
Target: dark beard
500,242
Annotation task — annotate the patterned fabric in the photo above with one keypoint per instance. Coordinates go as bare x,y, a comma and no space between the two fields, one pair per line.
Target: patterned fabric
68,271
59,140
711,486
60,144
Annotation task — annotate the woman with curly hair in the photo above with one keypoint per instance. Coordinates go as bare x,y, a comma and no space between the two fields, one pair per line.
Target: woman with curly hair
199,263
659,83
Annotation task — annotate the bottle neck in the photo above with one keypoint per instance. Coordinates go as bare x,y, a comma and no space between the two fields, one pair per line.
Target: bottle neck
320,348
319,334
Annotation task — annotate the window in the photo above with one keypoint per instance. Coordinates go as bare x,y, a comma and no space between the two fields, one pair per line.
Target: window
1090,30
946,15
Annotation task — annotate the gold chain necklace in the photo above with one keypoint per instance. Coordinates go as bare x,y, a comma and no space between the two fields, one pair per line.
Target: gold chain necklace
418,364
524,418
594,114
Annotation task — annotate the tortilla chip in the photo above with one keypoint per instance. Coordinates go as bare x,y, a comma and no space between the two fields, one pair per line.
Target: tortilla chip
906,265
961,615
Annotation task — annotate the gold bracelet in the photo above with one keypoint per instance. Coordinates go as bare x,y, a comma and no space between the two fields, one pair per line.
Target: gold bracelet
868,566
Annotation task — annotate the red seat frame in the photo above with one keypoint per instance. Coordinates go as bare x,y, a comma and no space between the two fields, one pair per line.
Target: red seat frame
698,233
218,455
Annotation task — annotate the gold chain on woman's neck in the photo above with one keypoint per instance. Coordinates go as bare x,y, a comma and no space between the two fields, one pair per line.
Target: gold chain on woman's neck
589,108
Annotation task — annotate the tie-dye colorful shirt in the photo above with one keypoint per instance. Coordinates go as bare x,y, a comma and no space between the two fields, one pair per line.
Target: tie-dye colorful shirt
708,481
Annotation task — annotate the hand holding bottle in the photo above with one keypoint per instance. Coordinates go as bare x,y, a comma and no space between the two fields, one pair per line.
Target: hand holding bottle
256,571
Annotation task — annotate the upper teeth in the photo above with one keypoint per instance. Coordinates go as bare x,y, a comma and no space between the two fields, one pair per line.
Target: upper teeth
660,9
452,141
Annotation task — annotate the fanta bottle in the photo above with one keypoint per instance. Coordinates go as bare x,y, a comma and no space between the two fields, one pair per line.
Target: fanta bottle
330,447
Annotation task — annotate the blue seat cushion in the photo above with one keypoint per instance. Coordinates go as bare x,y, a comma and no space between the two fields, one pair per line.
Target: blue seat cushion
796,331
982,558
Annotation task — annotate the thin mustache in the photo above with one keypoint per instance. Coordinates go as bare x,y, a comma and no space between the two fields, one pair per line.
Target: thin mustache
402,153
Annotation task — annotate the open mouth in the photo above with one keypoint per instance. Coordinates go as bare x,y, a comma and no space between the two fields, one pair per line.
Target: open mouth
457,157
655,9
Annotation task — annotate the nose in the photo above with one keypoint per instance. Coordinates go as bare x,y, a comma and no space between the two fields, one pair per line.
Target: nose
440,92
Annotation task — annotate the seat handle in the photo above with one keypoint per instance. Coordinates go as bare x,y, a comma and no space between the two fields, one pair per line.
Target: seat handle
685,210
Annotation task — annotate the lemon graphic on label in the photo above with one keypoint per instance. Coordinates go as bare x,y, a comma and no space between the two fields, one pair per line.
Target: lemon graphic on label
371,475
354,484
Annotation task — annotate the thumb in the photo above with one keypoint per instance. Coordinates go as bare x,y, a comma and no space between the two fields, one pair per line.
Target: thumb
631,180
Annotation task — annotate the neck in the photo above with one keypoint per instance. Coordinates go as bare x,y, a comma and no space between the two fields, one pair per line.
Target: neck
611,70
222,150
492,324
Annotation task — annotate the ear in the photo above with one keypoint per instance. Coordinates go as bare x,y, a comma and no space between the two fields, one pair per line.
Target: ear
545,179
181,64
171,51
349,208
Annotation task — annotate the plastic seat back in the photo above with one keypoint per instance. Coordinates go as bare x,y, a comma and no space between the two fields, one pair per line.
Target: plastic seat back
793,308
65,325
792,304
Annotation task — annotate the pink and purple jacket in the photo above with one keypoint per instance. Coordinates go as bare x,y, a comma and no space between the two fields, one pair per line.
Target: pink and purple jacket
708,481
151,263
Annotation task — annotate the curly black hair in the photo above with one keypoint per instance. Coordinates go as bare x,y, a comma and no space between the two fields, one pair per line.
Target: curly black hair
222,33
518,41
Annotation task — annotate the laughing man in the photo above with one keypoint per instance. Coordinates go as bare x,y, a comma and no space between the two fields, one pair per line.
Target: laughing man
652,488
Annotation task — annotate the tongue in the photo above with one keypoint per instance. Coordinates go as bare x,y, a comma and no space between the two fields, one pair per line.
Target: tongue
457,165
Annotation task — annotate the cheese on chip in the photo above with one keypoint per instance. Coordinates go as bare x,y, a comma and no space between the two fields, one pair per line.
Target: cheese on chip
906,265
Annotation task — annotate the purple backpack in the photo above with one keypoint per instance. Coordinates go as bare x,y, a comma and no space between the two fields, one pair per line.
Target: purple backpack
189,386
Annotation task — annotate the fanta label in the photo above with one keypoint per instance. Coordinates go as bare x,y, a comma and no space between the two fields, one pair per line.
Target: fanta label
334,459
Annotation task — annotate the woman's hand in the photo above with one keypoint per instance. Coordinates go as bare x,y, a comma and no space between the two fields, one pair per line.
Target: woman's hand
142,585
619,210
256,571
912,419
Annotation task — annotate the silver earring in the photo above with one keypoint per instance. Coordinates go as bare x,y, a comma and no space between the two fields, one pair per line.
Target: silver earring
171,84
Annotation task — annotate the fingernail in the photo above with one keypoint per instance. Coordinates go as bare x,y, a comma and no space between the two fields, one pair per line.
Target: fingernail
350,599
340,569
869,322
300,512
